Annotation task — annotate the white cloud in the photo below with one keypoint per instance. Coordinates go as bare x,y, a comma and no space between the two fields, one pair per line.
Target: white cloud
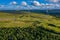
1,6
13,3
47,4
42,4
53,1
57,5
36,3
23,3
17,6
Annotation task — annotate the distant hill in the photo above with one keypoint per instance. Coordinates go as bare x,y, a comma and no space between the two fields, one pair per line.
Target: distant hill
55,12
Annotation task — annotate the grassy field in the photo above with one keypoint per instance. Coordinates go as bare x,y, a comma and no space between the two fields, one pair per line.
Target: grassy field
32,20
28,19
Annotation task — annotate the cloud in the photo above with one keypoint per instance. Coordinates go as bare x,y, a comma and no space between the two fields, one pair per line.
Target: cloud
42,4
23,3
13,3
57,5
36,3
1,6
55,1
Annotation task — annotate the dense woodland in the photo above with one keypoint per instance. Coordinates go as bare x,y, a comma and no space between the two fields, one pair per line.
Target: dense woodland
37,33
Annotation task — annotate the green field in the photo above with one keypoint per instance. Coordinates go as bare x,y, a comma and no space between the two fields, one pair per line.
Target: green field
38,24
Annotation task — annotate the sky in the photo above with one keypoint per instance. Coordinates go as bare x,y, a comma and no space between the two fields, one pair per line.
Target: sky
29,4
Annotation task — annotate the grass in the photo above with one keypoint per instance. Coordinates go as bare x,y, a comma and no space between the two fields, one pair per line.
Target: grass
27,19
29,26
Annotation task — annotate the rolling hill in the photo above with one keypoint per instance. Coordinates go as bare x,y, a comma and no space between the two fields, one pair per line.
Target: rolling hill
35,23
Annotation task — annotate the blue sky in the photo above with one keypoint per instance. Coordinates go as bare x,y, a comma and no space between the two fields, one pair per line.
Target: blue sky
37,4
18,1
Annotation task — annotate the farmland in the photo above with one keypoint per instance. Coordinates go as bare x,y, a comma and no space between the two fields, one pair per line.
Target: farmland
29,26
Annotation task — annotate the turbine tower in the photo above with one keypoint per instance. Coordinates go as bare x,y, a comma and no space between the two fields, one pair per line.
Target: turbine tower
47,10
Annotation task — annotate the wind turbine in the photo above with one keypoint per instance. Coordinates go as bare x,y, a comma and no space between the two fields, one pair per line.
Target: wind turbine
47,10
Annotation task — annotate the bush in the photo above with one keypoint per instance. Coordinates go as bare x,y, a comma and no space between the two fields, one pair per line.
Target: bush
28,33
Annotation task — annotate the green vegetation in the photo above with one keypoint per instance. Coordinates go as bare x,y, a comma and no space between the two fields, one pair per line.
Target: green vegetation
29,26
28,33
